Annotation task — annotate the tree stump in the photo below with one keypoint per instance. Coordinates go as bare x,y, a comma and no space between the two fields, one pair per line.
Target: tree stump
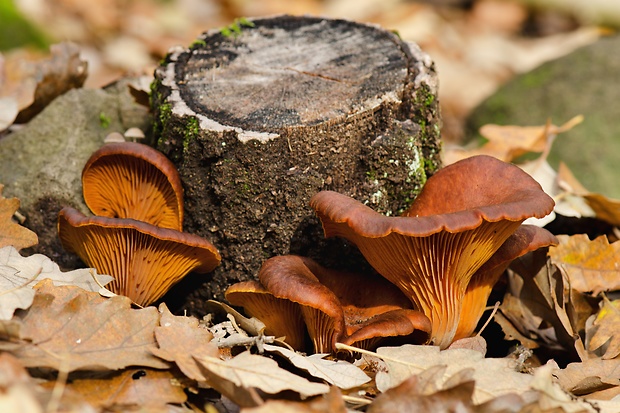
261,116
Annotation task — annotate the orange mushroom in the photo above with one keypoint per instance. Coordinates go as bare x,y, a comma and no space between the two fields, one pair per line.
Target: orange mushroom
132,180
282,317
525,239
463,215
336,307
144,260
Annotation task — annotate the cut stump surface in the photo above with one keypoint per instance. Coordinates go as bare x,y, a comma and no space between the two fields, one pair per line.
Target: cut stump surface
260,120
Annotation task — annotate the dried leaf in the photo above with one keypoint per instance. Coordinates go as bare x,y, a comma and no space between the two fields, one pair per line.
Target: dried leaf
63,71
602,207
331,402
252,371
132,387
510,142
493,377
406,397
541,306
181,339
341,374
603,336
19,274
589,376
591,266
72,329
12,233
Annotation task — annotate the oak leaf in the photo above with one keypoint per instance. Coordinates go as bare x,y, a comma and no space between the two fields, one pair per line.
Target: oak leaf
19,274
181,339
591,266
11,233
589,376
250,371
603,336
72,329
331,402
493,376
341,373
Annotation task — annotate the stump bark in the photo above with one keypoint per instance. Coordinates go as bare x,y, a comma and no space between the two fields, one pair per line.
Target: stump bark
261,118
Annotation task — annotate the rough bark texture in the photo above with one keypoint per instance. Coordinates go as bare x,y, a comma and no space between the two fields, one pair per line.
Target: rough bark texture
259,121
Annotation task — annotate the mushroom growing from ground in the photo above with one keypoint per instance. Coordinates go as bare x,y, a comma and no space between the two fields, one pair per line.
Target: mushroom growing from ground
145,260
463,215
132,180
354,309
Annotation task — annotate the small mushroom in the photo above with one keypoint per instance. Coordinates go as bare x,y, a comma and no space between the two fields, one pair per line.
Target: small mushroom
356,309
282,317
134,134
463,215
144,260
525,239
132,180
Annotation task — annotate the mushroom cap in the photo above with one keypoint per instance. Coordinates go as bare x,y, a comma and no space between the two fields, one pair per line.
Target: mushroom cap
525,239
145,260
463,215
282,318
133,180
335,304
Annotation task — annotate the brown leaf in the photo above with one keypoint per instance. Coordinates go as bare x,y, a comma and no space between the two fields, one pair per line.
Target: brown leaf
589,376
181,339
603,208
541,306
72,329
12,233
331,402
591,266
133,387
603,336
63,71
406,397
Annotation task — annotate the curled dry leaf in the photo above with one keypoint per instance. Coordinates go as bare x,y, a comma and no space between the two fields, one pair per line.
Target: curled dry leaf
602,335
591,266
181,339
11,233
493,377
541,306
589,376
341,374
72,329
331,402
249,371
19,274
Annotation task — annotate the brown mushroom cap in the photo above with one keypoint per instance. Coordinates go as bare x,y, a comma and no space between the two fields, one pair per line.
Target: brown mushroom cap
282,318
335,305
145,260
525,239
464,214
132,180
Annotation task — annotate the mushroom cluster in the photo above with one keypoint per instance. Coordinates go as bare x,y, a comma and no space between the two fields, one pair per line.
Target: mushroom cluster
298,299
135,236
448,250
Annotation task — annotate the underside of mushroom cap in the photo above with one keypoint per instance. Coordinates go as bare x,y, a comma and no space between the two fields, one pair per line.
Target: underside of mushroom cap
133,180
336,304
145,260
288,277
525,239
431,257
282,317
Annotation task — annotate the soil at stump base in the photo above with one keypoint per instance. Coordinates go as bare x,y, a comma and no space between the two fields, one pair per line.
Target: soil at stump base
260,118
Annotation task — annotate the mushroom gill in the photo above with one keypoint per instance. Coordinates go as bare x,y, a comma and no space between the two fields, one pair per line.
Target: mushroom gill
462,216
145,260
355,309
133,180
